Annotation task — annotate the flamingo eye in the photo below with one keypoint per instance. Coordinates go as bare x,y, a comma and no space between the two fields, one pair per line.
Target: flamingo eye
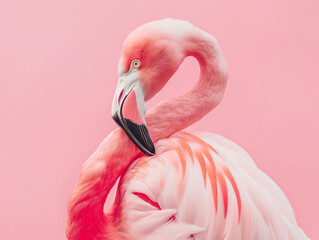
136,63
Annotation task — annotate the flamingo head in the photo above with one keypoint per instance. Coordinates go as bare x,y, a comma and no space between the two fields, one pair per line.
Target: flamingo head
151,55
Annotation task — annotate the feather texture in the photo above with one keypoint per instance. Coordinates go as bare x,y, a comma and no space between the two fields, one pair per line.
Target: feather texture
198,186
237,200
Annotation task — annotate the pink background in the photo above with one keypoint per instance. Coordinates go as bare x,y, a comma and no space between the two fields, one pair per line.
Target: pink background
58,72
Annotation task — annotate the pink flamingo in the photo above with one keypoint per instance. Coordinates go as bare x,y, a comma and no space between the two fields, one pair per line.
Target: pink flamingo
197,186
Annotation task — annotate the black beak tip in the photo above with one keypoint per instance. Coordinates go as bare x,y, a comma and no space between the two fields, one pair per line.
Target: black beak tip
151,151
138,133
140,136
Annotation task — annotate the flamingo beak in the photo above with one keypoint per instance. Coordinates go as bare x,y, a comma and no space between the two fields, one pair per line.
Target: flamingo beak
128,110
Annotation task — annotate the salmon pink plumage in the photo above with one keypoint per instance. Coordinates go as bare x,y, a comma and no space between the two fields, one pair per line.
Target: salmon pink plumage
173,184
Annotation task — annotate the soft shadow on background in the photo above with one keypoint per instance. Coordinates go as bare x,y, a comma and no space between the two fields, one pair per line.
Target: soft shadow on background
58,72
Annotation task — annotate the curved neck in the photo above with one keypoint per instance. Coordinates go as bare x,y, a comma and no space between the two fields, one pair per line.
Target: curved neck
86,219
171,116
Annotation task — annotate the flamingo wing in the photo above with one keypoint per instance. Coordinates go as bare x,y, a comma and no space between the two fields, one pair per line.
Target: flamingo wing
202,186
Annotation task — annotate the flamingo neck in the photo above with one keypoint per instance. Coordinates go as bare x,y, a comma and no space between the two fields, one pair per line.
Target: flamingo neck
99,173
171,116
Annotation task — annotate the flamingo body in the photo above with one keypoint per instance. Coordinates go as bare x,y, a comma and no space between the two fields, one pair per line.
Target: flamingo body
185,186
205,186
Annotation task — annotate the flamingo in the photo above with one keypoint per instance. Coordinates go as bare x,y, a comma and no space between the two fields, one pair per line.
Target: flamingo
187,185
